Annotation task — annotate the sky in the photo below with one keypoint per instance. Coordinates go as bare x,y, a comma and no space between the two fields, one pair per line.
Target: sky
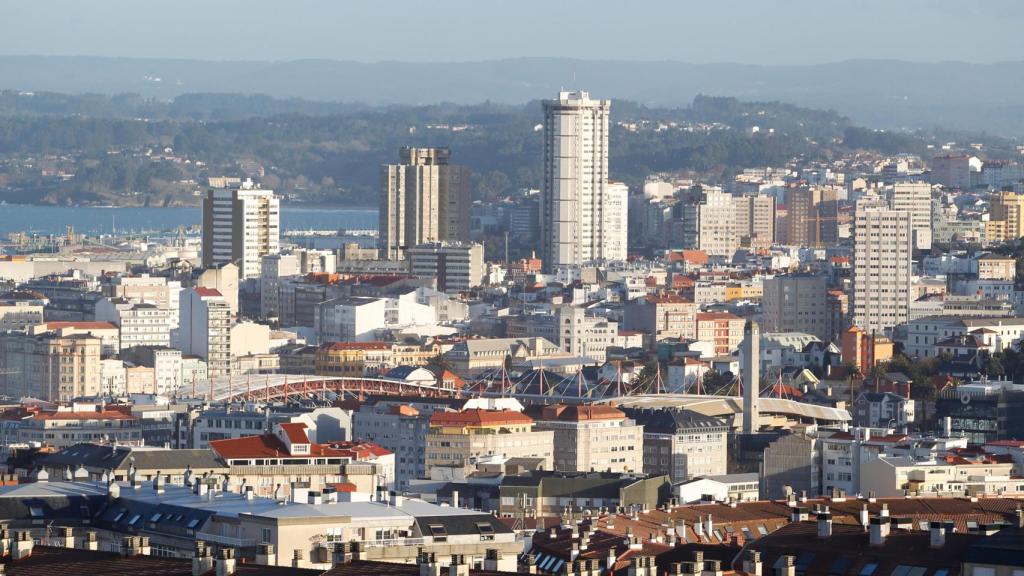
782,32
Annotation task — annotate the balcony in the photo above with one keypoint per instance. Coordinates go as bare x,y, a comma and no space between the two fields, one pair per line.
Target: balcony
226,540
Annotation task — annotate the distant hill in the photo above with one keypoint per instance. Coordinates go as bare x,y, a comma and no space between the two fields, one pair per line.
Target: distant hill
875,93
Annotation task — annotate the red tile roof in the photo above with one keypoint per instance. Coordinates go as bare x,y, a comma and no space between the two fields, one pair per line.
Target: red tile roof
270,446
104,415
478,417
295,431
81,325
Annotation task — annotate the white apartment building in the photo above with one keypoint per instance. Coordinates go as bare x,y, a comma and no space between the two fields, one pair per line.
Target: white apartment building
206,329
575,193
19,315
924,333
240,225
881,268
916,199
889,476
456,266
156,290
616,222
273,268
139,323
717,236
358,318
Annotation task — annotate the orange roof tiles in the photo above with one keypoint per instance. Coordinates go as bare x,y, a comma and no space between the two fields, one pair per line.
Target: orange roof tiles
479,417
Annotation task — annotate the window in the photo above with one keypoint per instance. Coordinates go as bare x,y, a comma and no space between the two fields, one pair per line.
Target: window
35,511
439,533
868,569
192,523
155,517
119,516
134,519
486,530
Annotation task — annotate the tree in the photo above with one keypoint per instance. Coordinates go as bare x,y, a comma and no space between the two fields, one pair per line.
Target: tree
441,362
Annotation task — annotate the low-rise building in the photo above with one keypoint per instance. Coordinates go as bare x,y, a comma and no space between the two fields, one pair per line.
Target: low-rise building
456,440
590,438
277,463
681,443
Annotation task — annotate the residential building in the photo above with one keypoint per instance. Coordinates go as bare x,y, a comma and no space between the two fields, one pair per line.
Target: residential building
722,329
883,410
54,366
812,214
206,329
354,359
77,423
273,268
423,199
915,198
162,292
796,303
165,362
888,476
455,266
593,438
17,314
575,192
792,465
616,222
755,220
881,269
730,488
717,228
458,439
275,463
115,463
240,225
1007,208
543,493
662,316
952,171
682,444
139,323
474,356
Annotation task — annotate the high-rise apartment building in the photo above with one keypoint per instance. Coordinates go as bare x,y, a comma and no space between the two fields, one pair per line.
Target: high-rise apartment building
812,216
717,217
916,199
206,329
581,219
424,198
796,303
883,242
240,225
755,219
1008,208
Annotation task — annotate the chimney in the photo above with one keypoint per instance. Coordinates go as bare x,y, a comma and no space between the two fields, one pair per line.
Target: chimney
824,524
879,531
455,498
799,514
330,495
642,566
158,483
947,427
297,559
21,548
67,537
864,516
675,569
611,559
202,561
787,567
249,493
492,560
315,497
225,563
938,534
396,499
5,540
710,528
752,563
90,541
299,493
712,568
1019,516
202,488
530,565
884,512
427,563
265,554
459,566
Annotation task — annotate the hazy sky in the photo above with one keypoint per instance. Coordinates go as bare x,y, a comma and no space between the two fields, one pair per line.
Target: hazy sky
747,31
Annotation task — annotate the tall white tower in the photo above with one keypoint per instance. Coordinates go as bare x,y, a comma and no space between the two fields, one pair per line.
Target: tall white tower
574,196
240,225
882,266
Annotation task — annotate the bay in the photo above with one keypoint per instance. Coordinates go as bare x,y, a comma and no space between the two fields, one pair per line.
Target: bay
45,220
